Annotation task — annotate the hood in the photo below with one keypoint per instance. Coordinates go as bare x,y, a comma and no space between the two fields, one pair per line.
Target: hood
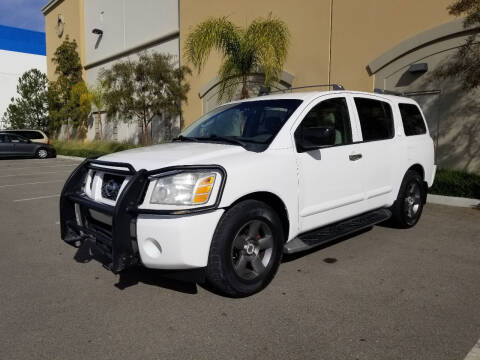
176,153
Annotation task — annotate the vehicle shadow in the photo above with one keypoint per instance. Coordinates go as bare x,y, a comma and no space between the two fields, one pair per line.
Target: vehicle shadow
136,275
181,281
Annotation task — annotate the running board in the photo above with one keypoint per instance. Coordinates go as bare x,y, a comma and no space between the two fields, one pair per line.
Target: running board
334,231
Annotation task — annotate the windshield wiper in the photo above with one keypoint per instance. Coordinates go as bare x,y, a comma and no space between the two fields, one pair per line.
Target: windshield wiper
226,139
185,138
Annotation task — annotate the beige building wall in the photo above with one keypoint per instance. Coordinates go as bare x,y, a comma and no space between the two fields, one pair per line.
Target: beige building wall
71,11
308,22
360,31
363,30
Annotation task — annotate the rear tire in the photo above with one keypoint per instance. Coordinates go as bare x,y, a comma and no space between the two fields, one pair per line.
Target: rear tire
41,153
408,207
246,249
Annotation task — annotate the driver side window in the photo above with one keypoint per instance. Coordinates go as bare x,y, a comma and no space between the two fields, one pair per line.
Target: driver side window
331,114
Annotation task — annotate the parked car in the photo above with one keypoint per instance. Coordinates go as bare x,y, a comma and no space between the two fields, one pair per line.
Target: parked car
37,136
253,180
13,145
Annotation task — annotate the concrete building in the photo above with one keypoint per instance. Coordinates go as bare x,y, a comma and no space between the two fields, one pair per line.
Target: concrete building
20,50
363,45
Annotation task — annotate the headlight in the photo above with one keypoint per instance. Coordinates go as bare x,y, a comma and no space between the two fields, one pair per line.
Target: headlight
87,183
186,188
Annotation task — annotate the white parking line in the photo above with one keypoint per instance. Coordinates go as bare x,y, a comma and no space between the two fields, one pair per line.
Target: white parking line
474,354
43,173
37,198
33,183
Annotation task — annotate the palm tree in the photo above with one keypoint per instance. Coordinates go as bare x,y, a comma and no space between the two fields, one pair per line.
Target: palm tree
97,99
261,48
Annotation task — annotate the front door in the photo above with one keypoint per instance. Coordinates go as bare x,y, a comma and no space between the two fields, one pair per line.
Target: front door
330,185
22,146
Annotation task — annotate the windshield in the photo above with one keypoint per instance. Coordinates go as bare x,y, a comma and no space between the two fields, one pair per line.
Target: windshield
251,124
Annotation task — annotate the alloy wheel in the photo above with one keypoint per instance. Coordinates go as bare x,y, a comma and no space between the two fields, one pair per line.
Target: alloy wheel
252,249
413,201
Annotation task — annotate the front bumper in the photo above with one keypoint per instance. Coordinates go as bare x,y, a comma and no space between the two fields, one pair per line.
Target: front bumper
124,235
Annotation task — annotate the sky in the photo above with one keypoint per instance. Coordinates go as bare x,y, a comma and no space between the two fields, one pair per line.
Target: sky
25,14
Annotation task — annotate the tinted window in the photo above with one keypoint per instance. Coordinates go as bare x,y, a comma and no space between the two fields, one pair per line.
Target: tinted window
412,119
17,138
329,113
376,119
29,134
4,138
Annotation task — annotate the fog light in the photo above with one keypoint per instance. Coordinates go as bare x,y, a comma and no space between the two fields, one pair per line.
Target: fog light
152,248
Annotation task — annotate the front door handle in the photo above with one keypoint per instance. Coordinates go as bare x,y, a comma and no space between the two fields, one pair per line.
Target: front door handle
355,157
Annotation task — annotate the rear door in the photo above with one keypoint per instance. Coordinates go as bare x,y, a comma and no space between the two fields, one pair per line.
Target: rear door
330,188
378,149
6,147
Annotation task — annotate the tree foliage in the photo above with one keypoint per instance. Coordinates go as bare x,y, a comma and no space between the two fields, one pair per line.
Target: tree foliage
140,90
262,47
79,106
29,109
63,99
465,64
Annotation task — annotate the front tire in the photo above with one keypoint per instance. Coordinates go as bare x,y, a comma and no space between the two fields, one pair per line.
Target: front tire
41,153
408,207
246,249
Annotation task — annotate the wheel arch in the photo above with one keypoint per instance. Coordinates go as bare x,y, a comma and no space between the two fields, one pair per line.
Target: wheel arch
419,169
272,200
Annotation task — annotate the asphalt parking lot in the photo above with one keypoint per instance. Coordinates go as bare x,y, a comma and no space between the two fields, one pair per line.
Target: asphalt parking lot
383,294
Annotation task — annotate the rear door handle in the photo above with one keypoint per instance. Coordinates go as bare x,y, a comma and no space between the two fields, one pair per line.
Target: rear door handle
355,157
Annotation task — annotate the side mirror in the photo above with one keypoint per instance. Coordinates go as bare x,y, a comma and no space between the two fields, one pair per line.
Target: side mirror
316,138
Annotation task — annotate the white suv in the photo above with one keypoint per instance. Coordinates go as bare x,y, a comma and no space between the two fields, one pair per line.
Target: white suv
253,180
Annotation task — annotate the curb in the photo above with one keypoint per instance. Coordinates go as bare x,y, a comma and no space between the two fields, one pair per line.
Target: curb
77,158
474,354
452,201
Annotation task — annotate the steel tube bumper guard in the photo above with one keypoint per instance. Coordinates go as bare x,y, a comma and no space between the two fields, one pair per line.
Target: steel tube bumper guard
115,247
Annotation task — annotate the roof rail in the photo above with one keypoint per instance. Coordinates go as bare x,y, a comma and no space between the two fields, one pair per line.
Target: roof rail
266,91
387,92
407,93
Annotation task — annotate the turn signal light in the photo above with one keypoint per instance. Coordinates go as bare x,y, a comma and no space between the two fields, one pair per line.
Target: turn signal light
204,188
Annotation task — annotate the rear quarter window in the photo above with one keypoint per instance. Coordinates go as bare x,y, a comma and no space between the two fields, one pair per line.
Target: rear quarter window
412,120
376,119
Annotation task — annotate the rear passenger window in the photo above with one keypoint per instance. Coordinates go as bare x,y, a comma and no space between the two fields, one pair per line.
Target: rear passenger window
30,134
412,119
376,119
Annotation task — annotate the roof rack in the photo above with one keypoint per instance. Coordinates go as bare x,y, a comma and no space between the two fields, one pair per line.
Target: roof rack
265,91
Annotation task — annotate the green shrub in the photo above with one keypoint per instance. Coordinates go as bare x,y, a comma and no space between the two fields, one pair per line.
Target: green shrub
456,183
89,148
